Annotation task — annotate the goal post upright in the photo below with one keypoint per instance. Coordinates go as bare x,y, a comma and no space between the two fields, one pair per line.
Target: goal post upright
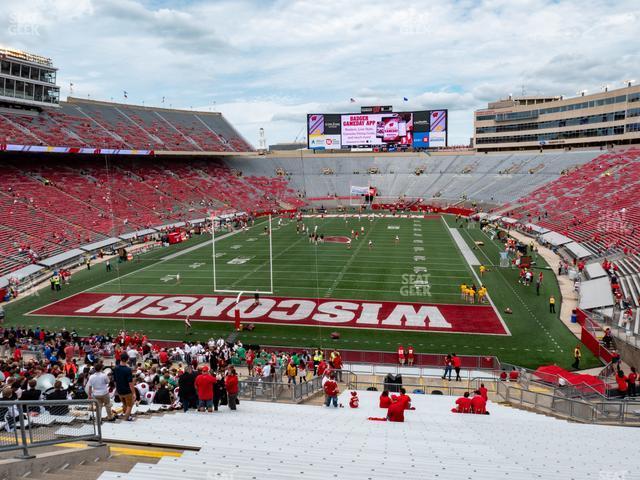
213,248
270,256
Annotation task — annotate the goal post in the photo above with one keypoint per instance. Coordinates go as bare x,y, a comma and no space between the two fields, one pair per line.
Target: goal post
218,235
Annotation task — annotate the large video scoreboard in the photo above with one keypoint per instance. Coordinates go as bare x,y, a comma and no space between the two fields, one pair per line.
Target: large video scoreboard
334,131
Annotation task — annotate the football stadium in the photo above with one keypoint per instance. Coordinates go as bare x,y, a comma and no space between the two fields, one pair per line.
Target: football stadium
179,300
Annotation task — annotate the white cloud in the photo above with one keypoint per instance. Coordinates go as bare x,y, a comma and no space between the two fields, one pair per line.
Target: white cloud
268,63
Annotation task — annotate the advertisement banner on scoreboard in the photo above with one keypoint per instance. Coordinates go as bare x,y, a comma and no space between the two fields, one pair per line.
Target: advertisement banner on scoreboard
387,131
421,139
437,139
324,142
438,121
377,129
421,122
323,131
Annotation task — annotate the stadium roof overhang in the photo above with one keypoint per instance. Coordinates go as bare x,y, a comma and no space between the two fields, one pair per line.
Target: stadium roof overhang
89,247
139,233
170,225
62,257
537,228
555,239
21,273
595,294
595,270
577,250
198,153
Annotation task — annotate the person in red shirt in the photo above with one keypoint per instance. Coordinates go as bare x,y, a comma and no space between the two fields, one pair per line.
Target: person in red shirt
457,363
204,386
231,384
163,357
68,352
484,392
385,401
513,375
463,404
410,355
400,354
479,404
250,357
404,399
331,391
322,367
621,380
337,366
17,354
632,378
395,412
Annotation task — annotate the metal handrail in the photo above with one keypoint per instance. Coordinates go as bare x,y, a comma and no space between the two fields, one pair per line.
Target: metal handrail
605,412
258,388
21,418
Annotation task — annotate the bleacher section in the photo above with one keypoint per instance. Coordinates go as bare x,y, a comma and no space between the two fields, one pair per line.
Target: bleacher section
628,274
495,178
50,207
83,123
280,441
596,204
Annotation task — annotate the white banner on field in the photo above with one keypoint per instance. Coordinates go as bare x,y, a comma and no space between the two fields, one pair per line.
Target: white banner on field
359,190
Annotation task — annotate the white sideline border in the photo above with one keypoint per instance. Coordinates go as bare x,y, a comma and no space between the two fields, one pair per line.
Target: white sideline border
473,271
463,246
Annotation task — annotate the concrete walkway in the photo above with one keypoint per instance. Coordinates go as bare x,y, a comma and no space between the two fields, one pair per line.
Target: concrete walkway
569,295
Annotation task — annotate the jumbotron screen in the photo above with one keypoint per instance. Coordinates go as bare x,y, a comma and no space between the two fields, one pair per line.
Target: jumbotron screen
424,129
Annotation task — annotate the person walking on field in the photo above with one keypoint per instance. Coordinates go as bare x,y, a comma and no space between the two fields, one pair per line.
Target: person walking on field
552,304
577,355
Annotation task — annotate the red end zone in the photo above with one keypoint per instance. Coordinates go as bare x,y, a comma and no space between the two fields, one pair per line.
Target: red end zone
478,319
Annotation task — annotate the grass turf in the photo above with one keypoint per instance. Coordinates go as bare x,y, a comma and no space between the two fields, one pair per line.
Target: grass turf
331,271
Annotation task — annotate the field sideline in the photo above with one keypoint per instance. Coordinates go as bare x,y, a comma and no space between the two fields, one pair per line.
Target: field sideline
331,272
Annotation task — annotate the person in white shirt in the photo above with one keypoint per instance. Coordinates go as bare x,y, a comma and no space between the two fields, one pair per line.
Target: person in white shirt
98,389
133,356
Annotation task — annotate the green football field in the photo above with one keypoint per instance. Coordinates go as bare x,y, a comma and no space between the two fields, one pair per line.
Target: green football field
425,266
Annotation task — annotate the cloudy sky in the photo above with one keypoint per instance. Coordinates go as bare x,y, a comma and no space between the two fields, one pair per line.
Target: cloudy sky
267,63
